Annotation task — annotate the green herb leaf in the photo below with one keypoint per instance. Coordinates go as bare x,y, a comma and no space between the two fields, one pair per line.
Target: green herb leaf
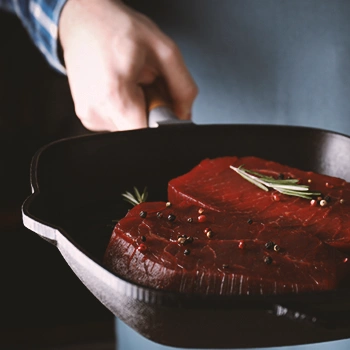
289,187
137,197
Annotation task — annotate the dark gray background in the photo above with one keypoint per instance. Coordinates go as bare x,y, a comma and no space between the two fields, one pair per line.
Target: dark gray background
263,61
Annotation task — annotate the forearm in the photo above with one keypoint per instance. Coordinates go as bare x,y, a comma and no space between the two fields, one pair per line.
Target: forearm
40,18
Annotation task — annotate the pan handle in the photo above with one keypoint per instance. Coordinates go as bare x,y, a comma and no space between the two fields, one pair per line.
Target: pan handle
159,106
44,231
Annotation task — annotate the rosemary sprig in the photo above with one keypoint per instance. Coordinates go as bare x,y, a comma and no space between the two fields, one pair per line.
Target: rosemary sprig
137,197
288,187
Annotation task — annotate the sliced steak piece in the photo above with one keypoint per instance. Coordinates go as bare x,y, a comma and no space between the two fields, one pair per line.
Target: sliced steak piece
190,248
213,185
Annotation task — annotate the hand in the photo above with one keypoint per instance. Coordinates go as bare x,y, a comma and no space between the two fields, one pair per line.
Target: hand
110,52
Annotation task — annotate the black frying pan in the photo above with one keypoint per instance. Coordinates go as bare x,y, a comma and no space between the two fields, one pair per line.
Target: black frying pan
77,185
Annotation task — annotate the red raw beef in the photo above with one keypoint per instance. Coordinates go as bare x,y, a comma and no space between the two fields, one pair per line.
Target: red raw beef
213,185
221,235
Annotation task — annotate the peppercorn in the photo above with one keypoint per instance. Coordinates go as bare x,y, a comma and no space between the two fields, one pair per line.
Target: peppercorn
202,218
159,214
141,247
210,234
268,260
250,221
269,245
143,214
189,239
276,248
189,220
171,217
323,203
143,238
181,240
313,202
187,251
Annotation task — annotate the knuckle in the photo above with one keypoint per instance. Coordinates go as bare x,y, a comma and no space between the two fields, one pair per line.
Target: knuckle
192,91
168,50
187,93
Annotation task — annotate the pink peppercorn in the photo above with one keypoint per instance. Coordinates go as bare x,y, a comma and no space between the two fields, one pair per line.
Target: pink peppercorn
313,202
141,247
202,218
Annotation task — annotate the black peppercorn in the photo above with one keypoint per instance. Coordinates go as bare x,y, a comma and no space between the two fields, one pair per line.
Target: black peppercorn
269,245
171,217
268,260
187,251
159,214
143,238
327,199
143,214
189,239
250,221
190,220
181,240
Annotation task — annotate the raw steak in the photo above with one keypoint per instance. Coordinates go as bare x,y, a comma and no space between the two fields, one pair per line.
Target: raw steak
213,185
222,235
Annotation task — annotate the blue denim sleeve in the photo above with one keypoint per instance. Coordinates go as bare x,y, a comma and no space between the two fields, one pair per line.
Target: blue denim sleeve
40,19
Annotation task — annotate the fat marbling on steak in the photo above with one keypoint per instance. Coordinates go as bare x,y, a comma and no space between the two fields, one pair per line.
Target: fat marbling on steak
222,235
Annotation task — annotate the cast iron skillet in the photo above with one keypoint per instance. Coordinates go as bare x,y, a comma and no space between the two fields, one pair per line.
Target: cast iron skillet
77,185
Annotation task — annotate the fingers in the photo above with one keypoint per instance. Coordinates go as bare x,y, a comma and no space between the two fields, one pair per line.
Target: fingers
110,51
126,109
105,89
181,86
122,107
